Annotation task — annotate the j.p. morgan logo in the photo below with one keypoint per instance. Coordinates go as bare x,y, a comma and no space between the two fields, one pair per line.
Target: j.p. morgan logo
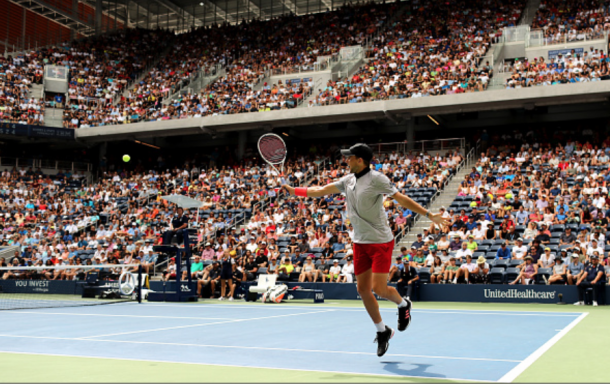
518,294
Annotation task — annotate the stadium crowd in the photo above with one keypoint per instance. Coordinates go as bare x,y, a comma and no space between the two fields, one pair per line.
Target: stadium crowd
571,68
62,220
572,20
417,57
413,56
529,213
101,68
17,104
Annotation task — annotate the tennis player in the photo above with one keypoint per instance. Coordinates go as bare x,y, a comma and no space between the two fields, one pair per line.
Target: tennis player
373,239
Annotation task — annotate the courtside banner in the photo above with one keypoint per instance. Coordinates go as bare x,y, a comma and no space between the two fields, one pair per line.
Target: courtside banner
497,293
41,286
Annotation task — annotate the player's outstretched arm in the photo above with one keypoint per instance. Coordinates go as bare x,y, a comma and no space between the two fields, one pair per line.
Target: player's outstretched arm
409,203
328,189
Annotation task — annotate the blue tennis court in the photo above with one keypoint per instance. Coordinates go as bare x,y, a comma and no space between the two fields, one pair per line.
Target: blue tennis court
443,344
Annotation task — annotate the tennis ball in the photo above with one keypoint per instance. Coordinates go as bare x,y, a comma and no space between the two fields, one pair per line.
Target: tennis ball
126,158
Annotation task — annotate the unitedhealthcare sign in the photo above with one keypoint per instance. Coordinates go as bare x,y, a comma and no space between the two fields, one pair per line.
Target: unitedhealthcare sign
513,293
499,293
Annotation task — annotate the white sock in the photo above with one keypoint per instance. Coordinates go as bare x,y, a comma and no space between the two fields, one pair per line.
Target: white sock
403,303
380,326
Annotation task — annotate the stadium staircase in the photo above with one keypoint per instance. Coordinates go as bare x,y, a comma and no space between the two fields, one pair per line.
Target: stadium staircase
529,12
444,199
198,82
7,252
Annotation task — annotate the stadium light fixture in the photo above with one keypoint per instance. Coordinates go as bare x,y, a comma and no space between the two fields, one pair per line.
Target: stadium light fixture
431,118
146,144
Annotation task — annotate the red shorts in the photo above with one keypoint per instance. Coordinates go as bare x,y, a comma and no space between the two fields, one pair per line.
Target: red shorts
377,257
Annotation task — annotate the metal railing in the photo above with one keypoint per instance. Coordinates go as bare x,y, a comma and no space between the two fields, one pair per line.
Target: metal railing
421,145
538,38
318,66
46,164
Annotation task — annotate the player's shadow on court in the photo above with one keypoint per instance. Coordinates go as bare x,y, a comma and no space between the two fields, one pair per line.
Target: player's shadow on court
421,370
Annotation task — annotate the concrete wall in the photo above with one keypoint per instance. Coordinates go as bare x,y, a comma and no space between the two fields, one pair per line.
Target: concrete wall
469,102
513,50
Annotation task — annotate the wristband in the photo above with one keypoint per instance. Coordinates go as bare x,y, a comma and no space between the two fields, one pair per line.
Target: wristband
302,191
428,215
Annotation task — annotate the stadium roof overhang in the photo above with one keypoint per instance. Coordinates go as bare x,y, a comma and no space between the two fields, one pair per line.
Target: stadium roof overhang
525,98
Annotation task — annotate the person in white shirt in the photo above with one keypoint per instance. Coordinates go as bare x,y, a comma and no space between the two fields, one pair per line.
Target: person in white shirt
519,250
479,232
252,246
463,253
347,272
594,247
547,259
334,272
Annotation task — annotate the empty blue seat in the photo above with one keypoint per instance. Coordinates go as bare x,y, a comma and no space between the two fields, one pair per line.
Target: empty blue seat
496,276
501,263
511,274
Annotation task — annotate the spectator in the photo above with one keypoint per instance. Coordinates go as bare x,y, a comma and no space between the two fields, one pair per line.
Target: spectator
504,252
407,279
466,269
436,271
575,269
308,271
347,272
334,272
450,271
593,277
559,272
529,270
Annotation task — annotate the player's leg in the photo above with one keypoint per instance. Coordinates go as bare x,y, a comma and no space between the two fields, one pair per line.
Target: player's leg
381,287
381,255
364,285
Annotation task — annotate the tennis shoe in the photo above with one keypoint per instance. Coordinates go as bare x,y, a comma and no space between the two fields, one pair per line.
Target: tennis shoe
404,316
383,340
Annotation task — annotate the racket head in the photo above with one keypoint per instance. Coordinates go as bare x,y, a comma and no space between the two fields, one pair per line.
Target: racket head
272,149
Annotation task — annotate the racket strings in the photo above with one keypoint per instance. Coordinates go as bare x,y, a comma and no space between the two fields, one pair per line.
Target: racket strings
272,150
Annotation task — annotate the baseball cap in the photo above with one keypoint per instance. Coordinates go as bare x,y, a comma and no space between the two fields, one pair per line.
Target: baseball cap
359,150
574,255
594,257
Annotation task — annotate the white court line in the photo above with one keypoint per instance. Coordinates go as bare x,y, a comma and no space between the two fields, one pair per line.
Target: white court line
245,366
316,351
204,324
105,315
515,372
344,309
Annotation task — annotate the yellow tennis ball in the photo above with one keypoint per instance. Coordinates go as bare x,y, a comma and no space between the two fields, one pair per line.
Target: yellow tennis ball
126,158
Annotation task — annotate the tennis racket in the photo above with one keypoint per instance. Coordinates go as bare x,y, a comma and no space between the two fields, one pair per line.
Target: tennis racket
273,150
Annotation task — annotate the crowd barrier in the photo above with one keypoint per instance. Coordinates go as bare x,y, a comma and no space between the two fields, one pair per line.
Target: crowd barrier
481,293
